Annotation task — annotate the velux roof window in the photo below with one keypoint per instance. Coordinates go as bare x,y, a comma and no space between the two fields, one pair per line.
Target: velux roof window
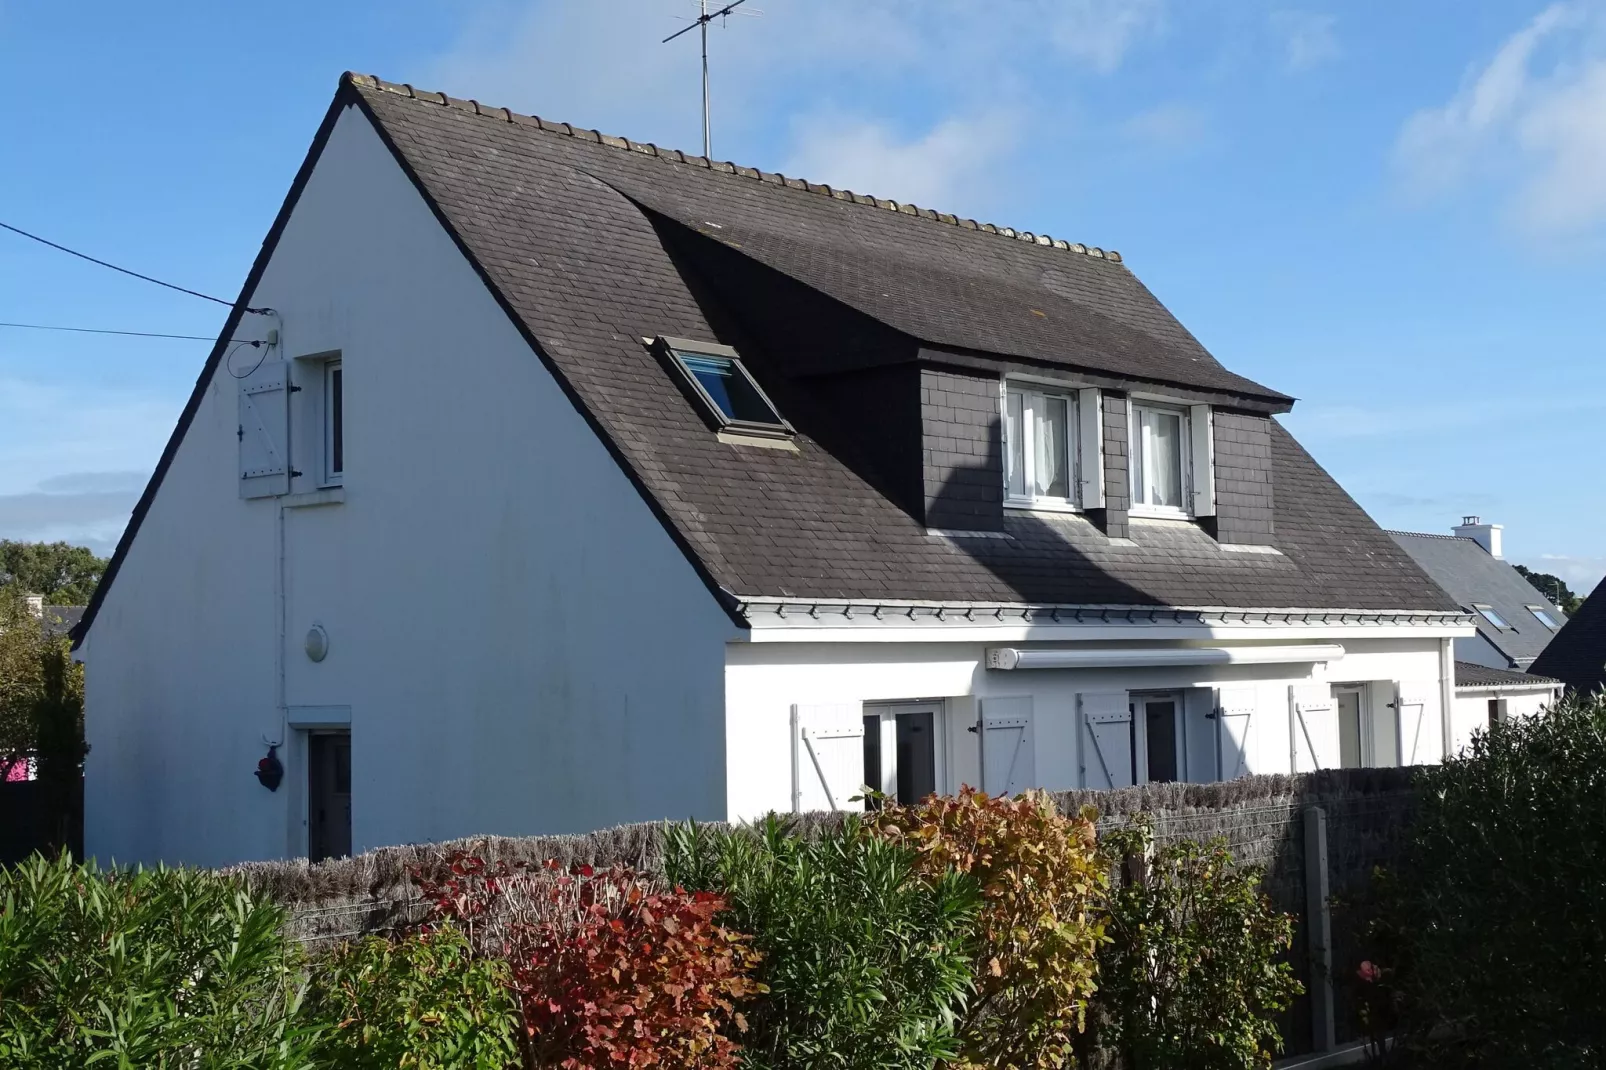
715,378
1494,618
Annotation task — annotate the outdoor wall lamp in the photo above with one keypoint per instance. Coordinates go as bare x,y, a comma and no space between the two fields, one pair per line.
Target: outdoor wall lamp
270,771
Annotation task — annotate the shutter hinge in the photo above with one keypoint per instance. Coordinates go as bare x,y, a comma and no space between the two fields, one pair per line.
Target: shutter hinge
295,389
239,433
295,474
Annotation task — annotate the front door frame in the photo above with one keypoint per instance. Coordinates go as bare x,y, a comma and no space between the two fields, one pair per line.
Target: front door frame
1140,733
887,713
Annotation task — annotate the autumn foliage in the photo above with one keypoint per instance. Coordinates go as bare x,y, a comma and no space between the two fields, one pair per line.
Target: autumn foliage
1041,924
610,969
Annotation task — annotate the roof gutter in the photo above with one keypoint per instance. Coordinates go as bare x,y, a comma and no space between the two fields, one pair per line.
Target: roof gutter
1302,654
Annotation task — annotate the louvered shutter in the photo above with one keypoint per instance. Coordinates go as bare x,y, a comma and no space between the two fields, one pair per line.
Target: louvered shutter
1419,740
1090,425
1314,717
264,431
827,757
1106,739
1201,427
1235,712
1008,746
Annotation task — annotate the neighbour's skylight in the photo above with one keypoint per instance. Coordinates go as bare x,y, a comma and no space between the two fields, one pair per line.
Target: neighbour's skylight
715,376
1544,617
1492,617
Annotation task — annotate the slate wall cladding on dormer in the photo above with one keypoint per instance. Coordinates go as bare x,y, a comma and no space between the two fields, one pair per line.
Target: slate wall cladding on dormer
1112,519
1243,479
961,450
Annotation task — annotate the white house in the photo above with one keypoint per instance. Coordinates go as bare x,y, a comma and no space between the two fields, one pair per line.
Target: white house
543,480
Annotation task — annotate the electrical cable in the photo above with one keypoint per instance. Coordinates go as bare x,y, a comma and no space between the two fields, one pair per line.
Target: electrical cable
126,271
98,330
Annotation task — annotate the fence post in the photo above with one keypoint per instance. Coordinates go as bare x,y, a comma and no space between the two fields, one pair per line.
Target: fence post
1319,932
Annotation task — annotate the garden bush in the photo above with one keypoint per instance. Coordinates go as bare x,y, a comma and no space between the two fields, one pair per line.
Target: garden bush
1041,923
1190,977
145,968
608,969
1500,901
867,963
421,1001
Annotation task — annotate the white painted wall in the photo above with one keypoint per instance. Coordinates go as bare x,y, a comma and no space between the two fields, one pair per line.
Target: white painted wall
493,586
764,680
1472,710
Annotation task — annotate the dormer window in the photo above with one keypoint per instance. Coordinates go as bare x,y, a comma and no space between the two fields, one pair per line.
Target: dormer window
714,377
1040,440
1159,460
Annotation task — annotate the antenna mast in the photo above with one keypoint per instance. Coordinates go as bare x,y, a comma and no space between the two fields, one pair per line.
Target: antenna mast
701,22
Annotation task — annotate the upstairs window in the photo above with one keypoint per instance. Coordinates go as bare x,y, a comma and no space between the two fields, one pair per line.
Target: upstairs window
334,423
715,377
1041,432
1488,613
1160,460
1543,616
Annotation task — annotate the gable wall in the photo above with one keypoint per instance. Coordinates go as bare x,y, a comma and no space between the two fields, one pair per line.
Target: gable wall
491,584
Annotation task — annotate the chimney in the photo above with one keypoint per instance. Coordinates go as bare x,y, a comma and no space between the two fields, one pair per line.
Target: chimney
36,605
1485,535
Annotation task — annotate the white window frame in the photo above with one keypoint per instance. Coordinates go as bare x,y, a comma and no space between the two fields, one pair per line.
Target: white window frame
331,476
1029,390
1140,734
888,712
1184,460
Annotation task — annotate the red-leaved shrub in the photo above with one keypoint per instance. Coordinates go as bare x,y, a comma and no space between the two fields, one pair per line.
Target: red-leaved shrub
611,970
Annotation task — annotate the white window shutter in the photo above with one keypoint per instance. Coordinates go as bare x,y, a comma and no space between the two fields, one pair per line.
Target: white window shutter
827,757
1313,716
1235,713
1419,741
1008,746
264,431
1201,426
1106,739
1090,449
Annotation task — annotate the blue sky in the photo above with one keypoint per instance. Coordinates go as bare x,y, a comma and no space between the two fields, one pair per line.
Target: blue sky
1395,212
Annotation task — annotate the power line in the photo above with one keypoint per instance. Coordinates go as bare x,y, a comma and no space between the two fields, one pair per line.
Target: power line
97,330
126,271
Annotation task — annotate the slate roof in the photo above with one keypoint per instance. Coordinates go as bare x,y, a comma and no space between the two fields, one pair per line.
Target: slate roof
1469,573
1471,675
1577,656
60,620
564,226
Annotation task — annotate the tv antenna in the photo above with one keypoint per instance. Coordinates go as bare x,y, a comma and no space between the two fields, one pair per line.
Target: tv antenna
700,23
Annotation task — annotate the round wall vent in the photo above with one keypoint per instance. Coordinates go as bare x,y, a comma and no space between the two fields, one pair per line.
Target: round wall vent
317,643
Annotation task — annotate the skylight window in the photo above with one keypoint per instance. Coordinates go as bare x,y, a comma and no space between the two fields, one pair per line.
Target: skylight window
1488,613
715,377
1544,617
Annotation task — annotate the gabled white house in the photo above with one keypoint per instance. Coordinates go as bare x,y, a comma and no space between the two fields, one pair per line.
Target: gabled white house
543,480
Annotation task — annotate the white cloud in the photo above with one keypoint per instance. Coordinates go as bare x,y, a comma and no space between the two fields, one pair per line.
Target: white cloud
1168,126
1101,32
947,167
1533,117
1582,574
1308,38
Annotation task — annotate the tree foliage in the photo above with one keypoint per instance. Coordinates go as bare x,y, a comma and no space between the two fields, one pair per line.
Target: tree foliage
1499,925
66,575
41,708
1553,588
1190,977
866,962
1041,923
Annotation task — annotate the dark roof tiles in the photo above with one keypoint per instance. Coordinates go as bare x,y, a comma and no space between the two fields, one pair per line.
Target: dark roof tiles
1577,655
1470,674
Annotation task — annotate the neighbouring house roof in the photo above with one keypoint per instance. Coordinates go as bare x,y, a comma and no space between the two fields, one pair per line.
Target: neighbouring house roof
583,240
61,620
1472,676
1577,656
1471,575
